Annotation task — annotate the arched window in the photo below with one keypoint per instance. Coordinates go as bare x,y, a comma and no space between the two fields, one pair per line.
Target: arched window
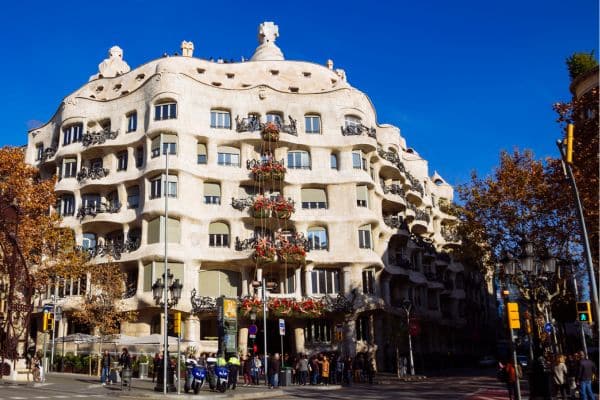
317,238
212,193
220,119
313,198
333,161
228,156
298,159
364,237
133,197
165,110
218,234
66,205
312,124
201,153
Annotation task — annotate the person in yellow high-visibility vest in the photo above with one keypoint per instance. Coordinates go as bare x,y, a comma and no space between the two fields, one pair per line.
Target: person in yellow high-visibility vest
234,366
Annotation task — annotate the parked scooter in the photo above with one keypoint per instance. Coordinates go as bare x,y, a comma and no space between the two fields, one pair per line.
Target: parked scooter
217,375
195,376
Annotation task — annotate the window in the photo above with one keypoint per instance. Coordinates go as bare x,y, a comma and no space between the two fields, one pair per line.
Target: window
218,282
89,241
156,269
156,230
201,151
96,163
91,201
362,329
358,160
212,193
312,123
368,281
168,142
220,119
290,281
132,122
139,157
39,151
352,121
159,185
333,161
66,205
165,111
113,200
364,237
313,198
133,197
325,281
122,157
228,156
318,331
69,167
317,238
218,235
72,134
362,196
298,160
276,118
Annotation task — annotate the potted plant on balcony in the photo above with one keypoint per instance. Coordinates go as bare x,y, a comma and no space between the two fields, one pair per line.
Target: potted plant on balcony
281,307
251,305
277,171
292,253
261,207
308,308
270,132
283,208
264,251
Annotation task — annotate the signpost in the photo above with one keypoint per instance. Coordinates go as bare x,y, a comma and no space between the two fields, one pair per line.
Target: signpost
252,330
281,335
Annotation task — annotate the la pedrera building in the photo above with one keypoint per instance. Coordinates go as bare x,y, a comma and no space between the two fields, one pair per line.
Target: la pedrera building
274,171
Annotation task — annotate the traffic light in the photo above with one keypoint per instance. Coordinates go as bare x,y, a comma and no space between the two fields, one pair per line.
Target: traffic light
48,322
570,143
338,336
584,312
177,323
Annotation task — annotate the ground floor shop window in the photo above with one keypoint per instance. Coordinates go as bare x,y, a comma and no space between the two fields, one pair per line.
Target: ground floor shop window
362,329
318,331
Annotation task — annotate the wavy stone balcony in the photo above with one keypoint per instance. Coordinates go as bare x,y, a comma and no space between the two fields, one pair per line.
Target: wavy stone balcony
395,222
96,138
98,209
48,154
253,124
394,189
358,130
392,157
91,173
450,235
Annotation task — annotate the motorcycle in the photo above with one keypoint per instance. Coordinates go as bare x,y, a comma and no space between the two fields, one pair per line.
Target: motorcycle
195,376
218,378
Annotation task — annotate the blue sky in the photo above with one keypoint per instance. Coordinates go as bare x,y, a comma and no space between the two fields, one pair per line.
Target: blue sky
462,79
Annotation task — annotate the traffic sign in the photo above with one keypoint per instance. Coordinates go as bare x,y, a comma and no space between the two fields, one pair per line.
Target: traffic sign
281,327
58,312
548,327
252,329
513,316
48,307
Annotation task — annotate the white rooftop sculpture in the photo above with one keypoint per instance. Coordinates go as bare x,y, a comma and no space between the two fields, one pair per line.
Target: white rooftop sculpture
267,49
113,65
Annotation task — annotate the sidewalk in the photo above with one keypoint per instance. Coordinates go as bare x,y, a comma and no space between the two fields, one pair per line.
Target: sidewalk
144,389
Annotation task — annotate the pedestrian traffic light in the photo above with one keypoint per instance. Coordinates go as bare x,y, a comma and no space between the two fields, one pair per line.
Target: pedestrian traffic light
177,323
338,336
48,322
570,143
584,312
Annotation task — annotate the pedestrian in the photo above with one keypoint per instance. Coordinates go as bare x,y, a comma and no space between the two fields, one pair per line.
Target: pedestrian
348,371
157,367
370,370
125,359
255,368
403,366
105,376
572,370
358,368
339,369
303,369
586,370
325,371
314,370
560,376
234,369
247,369
510,376
273,371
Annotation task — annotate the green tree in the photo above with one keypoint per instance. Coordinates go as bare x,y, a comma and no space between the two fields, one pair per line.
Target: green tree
580,63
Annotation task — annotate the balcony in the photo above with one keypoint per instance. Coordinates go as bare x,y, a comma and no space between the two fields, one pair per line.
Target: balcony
395,221
267,170
450,234
203,304
390,156
253,124
91,173
47,154
95,138
414,182
112,249
290,248
421,215
96,209
241,204
358,130
393,189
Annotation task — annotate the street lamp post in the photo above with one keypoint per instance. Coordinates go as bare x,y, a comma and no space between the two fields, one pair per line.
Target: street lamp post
166,284
264,286
407,305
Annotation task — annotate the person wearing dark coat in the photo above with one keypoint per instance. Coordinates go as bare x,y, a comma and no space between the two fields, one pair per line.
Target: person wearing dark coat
586,370
274,366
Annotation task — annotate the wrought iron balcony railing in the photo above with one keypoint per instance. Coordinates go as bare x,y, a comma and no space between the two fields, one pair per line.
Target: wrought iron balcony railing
390,156
395,221
278,241
421,215
416,185
357,130
254,163
202,304
252,124
393,189
94,138
113,248
91,173
96,209
48,153
130,291
241,204
450,234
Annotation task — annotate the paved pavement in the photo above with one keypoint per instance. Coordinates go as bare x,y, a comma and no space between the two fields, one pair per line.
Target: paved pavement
462,385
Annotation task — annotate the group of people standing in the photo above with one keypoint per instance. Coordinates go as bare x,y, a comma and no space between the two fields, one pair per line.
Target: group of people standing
124,361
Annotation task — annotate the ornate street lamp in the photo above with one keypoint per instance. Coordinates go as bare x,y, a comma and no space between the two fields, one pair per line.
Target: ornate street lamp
174,287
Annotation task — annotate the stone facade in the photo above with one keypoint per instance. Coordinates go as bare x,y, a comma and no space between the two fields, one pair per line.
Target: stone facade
373,219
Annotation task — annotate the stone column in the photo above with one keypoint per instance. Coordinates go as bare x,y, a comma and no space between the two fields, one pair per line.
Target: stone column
259,291
347,278
191,328
298,277
349,343
299,337
244,282
308,279
243,340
